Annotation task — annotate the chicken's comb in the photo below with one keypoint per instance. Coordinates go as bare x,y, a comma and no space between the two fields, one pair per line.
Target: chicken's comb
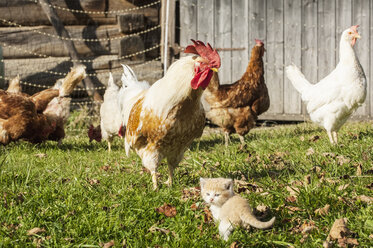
354,28
205,52
259,42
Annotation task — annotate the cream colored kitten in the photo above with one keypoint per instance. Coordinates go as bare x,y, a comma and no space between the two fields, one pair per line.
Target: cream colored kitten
228,209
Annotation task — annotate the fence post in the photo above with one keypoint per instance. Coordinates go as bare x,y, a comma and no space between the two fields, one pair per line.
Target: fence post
167,24
2,71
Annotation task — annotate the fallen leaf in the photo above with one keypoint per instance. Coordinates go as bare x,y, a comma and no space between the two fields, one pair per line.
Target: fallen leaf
316,169
371,236
307,179
327,244
234,245
105,168
310,151
339,229
167,210
329,154
35,230
301,138
323,211
292,190
343,160
41,155
93,181
243,186
191,194
364,198
108,244
359,170
370,186
194,207
291,198
154,229
314,138
293,209
345,242
207,217
343,187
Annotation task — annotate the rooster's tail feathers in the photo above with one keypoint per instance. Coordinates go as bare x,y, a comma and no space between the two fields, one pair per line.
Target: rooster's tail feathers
111,83
128,76
297,78
75,76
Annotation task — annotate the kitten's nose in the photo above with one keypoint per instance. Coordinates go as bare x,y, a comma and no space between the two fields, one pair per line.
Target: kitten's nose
211,200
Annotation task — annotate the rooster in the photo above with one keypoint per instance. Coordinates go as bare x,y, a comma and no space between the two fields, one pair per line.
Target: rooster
38,117
331,101
236,107
164,119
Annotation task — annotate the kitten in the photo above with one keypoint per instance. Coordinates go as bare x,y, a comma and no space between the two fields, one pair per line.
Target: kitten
227,208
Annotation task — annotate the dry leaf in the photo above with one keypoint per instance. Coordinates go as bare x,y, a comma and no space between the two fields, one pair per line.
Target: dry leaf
291,198
243,186
41,155
323,211
292,190
327,244
191,194
364,198
167,210
343,160
359,170
371,236
370,186
105,168
194,207
108,244
310,151
154,229
93,181
301,138
343,187
316,169
329,154
35,230
339,229
234,245
207,217
314,138
345,242
307,179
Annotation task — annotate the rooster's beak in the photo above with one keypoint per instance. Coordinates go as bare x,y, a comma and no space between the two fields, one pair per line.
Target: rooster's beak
357,36
215,69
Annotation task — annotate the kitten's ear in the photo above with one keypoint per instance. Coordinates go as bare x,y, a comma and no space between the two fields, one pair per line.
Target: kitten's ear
229,184
202,181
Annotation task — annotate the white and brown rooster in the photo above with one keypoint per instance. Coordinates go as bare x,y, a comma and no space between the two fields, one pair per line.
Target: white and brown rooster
165,119
331,101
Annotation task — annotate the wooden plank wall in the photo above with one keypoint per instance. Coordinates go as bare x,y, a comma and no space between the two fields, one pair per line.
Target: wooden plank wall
303,32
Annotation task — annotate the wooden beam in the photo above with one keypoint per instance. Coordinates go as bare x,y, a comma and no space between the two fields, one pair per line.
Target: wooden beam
69,45
171,31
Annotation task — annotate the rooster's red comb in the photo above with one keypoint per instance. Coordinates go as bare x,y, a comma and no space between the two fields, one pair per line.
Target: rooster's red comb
354,28
205,52
259,42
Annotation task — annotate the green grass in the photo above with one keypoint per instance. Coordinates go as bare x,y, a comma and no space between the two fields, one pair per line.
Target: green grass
81,203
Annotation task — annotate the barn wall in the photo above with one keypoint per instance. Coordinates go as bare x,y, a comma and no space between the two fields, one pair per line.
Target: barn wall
303,32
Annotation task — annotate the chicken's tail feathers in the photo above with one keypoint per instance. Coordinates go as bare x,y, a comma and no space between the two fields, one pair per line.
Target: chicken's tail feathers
111,83
15,85
297,78
128,76
75,76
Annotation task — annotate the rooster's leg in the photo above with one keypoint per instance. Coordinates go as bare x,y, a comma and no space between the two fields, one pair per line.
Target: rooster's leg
330,137
150,160
172,162
242,139
335,137
227,139
109,146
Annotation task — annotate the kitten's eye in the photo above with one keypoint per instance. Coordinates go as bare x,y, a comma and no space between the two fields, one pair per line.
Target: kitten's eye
217,195
208,194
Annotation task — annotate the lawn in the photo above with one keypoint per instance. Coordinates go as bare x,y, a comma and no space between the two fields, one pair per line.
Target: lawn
79,195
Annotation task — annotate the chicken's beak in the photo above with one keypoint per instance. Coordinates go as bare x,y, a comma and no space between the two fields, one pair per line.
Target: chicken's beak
357,36
215,69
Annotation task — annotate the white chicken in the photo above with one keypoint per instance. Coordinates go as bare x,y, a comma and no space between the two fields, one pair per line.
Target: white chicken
110,113
331,101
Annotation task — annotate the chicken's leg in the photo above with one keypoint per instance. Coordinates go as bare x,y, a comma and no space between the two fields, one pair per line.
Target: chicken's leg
109,146
330,137
242,140
4,136
151,161
172,162
227,139
335,137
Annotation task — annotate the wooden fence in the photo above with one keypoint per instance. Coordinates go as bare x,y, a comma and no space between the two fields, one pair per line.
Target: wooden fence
303,32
